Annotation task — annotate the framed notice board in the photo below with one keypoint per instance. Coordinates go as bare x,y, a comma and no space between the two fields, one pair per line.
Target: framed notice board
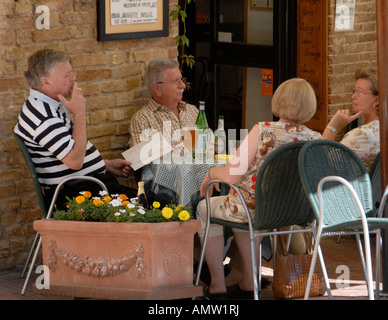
312,50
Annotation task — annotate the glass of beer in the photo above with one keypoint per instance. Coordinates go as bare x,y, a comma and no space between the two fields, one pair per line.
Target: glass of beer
189,136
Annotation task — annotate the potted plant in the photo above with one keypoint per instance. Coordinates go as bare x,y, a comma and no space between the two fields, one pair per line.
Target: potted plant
111,247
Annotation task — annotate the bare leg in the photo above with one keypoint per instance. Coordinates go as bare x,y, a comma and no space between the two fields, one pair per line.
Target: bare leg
214,255
243,244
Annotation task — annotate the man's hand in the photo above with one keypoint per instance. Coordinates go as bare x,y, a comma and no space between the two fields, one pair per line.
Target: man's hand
119,167
77,106
77,103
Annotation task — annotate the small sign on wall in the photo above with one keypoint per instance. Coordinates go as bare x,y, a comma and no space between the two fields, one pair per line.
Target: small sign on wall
344,15
267,82
262,4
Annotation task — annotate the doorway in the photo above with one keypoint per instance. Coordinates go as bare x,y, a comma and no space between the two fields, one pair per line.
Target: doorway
233,42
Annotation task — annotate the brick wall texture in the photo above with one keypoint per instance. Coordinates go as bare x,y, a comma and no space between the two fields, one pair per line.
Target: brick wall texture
111,74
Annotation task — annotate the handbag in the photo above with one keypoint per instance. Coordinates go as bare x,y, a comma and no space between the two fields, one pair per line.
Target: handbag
291,273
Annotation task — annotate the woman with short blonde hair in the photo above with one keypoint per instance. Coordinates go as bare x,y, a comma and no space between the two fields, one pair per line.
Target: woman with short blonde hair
294,103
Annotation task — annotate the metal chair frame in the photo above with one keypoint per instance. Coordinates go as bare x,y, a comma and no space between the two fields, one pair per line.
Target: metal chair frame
46,214
348,198
276,220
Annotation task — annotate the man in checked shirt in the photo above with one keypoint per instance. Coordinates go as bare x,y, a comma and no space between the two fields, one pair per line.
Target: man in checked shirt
165,112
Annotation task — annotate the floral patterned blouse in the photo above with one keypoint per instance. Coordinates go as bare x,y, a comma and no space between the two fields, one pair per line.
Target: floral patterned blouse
272,136
364,141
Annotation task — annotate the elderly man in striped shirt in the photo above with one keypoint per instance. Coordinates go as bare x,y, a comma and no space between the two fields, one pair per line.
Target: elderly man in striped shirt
59,146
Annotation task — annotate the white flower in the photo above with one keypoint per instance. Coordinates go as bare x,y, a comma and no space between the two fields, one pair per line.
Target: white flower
115,195
131,205
141,211
103,193
115,203
122,210
117,214
134,200
132,214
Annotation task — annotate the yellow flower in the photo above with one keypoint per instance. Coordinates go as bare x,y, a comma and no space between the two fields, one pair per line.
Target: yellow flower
167,212
178,208
97,202
156,204
106,199
80,199
183,215
123,197
87,194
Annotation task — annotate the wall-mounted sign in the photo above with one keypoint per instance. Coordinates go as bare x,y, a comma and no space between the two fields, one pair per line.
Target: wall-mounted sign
262,4
267,82
132,19
344,15
137,11
312,55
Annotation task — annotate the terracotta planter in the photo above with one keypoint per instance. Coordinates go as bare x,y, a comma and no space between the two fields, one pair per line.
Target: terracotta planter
108,260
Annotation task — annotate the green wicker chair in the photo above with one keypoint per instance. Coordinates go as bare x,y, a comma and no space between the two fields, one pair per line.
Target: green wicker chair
375,178
280,202
339,189
46,213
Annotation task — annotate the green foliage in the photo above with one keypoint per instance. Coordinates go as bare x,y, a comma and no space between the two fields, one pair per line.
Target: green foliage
181,40
117,208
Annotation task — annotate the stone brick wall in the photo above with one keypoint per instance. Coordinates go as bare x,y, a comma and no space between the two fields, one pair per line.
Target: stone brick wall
350,50
111,74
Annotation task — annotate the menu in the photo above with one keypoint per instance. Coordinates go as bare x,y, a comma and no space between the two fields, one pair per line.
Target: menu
147,151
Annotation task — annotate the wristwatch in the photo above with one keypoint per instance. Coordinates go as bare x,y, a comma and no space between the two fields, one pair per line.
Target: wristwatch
332,129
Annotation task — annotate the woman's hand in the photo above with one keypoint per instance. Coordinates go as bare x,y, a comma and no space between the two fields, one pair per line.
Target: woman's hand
205,182
342,118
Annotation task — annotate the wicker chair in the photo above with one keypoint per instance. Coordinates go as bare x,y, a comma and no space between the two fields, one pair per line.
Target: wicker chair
280,202
339,189
375,178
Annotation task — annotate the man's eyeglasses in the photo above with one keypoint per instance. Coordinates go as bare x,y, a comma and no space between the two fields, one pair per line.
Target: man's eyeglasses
360,92
175,81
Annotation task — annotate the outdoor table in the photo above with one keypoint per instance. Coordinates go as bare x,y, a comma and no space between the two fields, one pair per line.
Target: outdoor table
182,178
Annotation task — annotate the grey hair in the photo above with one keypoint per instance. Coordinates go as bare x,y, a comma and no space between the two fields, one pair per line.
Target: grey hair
41,63
155,69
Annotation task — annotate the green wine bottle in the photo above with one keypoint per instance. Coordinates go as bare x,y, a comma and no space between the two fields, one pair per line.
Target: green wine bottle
200,149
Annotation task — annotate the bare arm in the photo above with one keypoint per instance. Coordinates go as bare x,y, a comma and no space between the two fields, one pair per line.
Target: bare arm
238,166
77,106
341,119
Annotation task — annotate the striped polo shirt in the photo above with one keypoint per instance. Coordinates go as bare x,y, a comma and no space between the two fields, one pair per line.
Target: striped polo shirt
46,128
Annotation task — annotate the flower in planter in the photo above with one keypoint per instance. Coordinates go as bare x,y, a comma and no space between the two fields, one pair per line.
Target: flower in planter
118,208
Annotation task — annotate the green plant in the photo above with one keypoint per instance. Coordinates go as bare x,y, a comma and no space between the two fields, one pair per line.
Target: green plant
118,208
181,40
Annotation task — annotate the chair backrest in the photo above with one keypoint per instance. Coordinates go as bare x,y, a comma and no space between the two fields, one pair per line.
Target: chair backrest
31,168
280,197
375,178
322,158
